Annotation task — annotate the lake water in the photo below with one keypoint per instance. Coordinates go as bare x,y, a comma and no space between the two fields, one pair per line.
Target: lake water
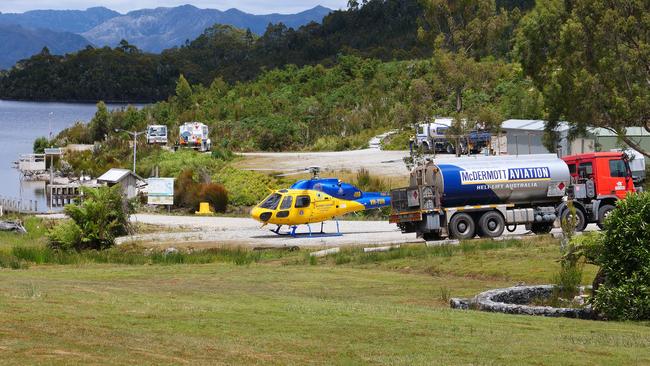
20,124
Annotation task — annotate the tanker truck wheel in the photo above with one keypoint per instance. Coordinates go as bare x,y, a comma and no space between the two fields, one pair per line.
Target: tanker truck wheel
450,149
603,212
491,225
581,223
462,226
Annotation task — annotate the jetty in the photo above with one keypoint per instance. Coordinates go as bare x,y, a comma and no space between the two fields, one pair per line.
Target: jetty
16,205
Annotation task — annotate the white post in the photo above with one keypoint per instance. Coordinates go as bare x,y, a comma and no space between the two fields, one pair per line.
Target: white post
135,144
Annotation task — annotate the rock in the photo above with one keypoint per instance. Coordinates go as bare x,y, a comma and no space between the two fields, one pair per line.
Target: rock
380,249
16,226
171,250
325,252
457,303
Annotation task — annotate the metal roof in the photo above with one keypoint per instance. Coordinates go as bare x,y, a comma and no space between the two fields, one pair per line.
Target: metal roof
116,175
530,125
630,132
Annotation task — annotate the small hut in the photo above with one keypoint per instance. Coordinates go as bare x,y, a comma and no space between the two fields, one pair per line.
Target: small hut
125,178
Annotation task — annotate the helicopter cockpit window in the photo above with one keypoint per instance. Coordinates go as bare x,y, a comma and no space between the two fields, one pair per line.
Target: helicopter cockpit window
286,203
271,202
303,201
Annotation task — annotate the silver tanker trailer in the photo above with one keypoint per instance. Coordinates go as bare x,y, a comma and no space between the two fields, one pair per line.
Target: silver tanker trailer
461,198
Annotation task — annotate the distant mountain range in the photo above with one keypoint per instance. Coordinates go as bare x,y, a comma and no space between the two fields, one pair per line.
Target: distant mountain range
17,43
152,30
73,21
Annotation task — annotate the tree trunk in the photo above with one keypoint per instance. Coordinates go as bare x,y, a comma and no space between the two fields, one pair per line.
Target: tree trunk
459,100
598,280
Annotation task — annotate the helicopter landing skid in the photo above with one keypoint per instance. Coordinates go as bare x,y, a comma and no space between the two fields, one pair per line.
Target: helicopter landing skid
311,234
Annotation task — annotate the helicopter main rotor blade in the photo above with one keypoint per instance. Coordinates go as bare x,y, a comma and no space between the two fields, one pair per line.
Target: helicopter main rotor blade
293,173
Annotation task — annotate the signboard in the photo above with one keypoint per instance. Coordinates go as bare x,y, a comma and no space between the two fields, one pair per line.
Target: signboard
160,191
53,151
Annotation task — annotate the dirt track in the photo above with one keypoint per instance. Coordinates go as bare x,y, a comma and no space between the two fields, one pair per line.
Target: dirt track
378,162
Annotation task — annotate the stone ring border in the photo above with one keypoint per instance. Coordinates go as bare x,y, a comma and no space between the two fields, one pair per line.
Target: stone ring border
514,300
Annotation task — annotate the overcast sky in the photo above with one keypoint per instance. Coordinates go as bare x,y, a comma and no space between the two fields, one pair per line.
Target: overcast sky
123,6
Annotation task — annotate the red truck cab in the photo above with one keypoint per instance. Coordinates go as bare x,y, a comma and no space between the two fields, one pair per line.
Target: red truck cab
599,180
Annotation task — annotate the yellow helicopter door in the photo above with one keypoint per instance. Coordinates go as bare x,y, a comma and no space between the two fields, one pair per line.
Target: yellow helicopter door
284,210
302,212
324,207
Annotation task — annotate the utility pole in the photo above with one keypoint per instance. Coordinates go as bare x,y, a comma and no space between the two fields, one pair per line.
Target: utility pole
135,135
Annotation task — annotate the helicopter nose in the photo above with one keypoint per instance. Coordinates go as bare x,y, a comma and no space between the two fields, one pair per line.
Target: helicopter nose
260,215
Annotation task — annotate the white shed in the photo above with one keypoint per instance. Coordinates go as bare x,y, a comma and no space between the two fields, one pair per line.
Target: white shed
124,177
525,136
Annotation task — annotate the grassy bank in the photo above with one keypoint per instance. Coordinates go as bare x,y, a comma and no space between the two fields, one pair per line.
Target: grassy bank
283,308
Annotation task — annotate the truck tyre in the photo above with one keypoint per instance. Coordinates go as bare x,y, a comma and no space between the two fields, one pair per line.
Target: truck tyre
462,226
581,223
541,228
491,225
602,215
450,149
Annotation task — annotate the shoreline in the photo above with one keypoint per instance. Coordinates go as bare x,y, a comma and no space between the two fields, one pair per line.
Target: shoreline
84,101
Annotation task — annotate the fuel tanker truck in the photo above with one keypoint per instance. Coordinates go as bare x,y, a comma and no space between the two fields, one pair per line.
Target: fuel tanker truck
461,198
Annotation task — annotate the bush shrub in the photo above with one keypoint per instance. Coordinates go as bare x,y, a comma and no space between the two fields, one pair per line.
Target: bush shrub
245,187
40,144
65,235
398,141
222,154
215,195
170,163
368,183
186,190
339,143
102,216
623,283
79,133
188,193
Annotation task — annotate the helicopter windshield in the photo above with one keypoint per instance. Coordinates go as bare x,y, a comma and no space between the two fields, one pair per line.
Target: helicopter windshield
271,202
286,203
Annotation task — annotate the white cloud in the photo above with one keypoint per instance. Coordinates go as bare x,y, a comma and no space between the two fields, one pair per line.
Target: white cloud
123,6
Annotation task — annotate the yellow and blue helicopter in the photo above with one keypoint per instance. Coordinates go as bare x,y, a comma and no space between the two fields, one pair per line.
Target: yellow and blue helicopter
314,201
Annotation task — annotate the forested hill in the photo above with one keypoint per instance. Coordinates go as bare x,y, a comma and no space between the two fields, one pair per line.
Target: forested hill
380,29
384,29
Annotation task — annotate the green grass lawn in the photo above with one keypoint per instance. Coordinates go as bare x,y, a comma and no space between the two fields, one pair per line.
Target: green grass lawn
353,308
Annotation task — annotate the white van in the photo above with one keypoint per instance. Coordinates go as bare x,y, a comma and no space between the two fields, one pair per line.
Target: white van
157,134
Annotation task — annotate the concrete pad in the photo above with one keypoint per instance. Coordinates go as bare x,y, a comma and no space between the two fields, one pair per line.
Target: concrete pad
218,231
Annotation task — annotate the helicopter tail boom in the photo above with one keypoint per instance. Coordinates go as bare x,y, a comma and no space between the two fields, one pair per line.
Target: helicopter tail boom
372,200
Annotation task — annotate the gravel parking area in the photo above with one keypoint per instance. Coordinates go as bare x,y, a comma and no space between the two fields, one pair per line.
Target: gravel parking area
197,231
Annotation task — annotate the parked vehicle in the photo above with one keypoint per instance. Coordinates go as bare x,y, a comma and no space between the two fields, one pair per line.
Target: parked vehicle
637,166
194,135
486,195
433,137
599,180
157,134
